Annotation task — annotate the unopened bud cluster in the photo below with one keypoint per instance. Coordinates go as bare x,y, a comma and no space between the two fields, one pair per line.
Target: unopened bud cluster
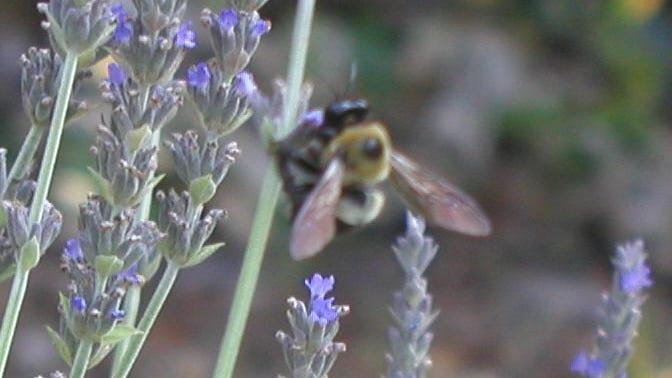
412,313
78,26
152,45
220,88
131,109
40,77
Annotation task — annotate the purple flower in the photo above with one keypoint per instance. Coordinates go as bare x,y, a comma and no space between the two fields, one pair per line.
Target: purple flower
587,366
198,76
185,37
322,310
116,74
244,85
634,273
124,29
117,314
259,28
319,286
130,275
228,19
72,250
313,117
78,305
635,279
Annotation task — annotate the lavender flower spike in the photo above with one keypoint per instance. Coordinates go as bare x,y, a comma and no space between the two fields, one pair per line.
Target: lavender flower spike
620,316
310,351
412,312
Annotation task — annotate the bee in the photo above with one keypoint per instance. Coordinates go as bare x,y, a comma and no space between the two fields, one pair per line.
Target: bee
331,169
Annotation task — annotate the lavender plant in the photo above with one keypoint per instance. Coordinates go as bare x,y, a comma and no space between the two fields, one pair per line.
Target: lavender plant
200,162
310,350
619,317
77,29
411,310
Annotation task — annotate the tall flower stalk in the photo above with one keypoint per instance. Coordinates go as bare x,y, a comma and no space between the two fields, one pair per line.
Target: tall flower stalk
149,48
267,202
620,315
76,29
411,309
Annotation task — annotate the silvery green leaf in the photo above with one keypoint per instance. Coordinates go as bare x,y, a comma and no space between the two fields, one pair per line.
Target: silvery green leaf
202,189
138,137
203,254
3,217
60,345
29,255
99,355
118,333
102,185
108,265
7,272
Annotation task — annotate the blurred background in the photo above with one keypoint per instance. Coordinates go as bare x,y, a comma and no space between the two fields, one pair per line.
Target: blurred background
555,115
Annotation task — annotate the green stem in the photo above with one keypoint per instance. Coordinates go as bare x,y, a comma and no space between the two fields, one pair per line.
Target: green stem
151,313
268,199
27,153
146,204
249,274
297,63
20,281
54,138
81,361
18,291
132,298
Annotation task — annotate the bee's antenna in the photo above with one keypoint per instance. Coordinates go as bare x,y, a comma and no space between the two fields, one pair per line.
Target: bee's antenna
333,89
354,70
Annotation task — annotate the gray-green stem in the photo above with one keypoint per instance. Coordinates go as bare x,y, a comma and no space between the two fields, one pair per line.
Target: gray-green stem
268,199
82,357
27,153
147,321
20,281
133,296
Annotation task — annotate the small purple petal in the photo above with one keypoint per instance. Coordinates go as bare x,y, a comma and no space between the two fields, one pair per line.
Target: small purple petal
322,311
198,76
186,37
635,279
78,305
117,314
228,19
73,250
130,275
313,117
587,366
116,74
124,29
580,363
596,368
244,85
319,286
259,28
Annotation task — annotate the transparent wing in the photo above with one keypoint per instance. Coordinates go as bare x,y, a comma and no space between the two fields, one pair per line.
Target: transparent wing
315,223
440,202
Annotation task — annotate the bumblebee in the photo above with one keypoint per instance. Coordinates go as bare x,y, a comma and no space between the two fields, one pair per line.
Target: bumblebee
330,171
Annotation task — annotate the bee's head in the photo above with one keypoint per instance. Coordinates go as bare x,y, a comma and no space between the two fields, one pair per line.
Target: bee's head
343,113
366,151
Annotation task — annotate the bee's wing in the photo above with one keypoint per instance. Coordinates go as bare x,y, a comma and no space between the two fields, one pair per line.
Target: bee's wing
315,223
436,199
